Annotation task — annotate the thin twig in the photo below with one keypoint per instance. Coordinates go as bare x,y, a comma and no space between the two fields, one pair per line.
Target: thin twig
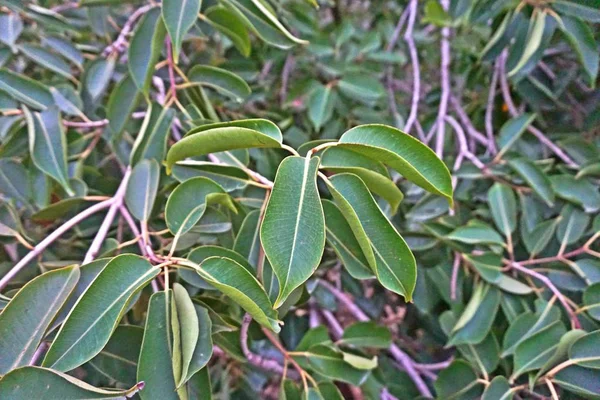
120,44
454,279
58,232
285,77
466,121
414,60
489,129
445,85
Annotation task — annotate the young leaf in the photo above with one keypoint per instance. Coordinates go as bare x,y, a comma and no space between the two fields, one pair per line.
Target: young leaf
503,207
186,319
179,16
144,49
386,251
188,202
221,80
98,311
293,230
26,318
25,90
154,366
242,287
47,144
224,136
142,188
36,382
411,158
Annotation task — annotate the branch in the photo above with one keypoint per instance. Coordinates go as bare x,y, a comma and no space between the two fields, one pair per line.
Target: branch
120,44
414,59
466,121
40,247
514,113
445,84
489,129
401,357
116,202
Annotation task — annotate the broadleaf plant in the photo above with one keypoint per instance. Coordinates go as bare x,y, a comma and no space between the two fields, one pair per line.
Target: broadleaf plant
299,199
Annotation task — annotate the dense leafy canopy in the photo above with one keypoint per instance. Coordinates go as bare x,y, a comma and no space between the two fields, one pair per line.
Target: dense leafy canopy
294,199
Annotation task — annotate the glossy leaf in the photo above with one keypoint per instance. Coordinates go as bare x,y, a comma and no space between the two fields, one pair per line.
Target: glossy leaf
415,161
121,103
533,352
499,389
25,90
26,318
179,16
503,207
145,48
477,318
142,188
221,80
512,130
97,312
231,26
293,230
320,106
151,141
47,144
458,381
186,334
585,351
367,334
591,300
535,178
33,382
476,232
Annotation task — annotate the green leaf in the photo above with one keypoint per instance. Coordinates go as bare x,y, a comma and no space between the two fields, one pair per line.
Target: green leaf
361,86
503,207
534,39
579,380
223,136
582,40
179,17
511,131
293,230
118,359
498,389
151,142
199,254
411,158
330,362
98,311
230,25
367,334
47,60
476,320
489,267
241,286
142,189
13,180
577,191
47,144
320,106
11,27
145,48
247,241
374,174
221,80
476,232
528,324
384,248
230,178
572,225
204,345
535,178
591,300
185,332
585,351
586,10
121,103
537,240
36,382
259,17
188,202
65,48
26,318
25,90
458,381
98,76
155,366
562,350
533,352
340,236
435,14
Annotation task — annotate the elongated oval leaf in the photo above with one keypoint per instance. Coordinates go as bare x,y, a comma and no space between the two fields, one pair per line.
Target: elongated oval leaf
36,383
188,202
26,318
585,351
533,352
179,16
47,144
25,90
221,80
121,103
293,230
535,178
411,158
503,206
142,188
534,39
189,330
154,366
476,320
387,252
97,312
144,49
230,25
151,141
225,136
242,287
47,59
